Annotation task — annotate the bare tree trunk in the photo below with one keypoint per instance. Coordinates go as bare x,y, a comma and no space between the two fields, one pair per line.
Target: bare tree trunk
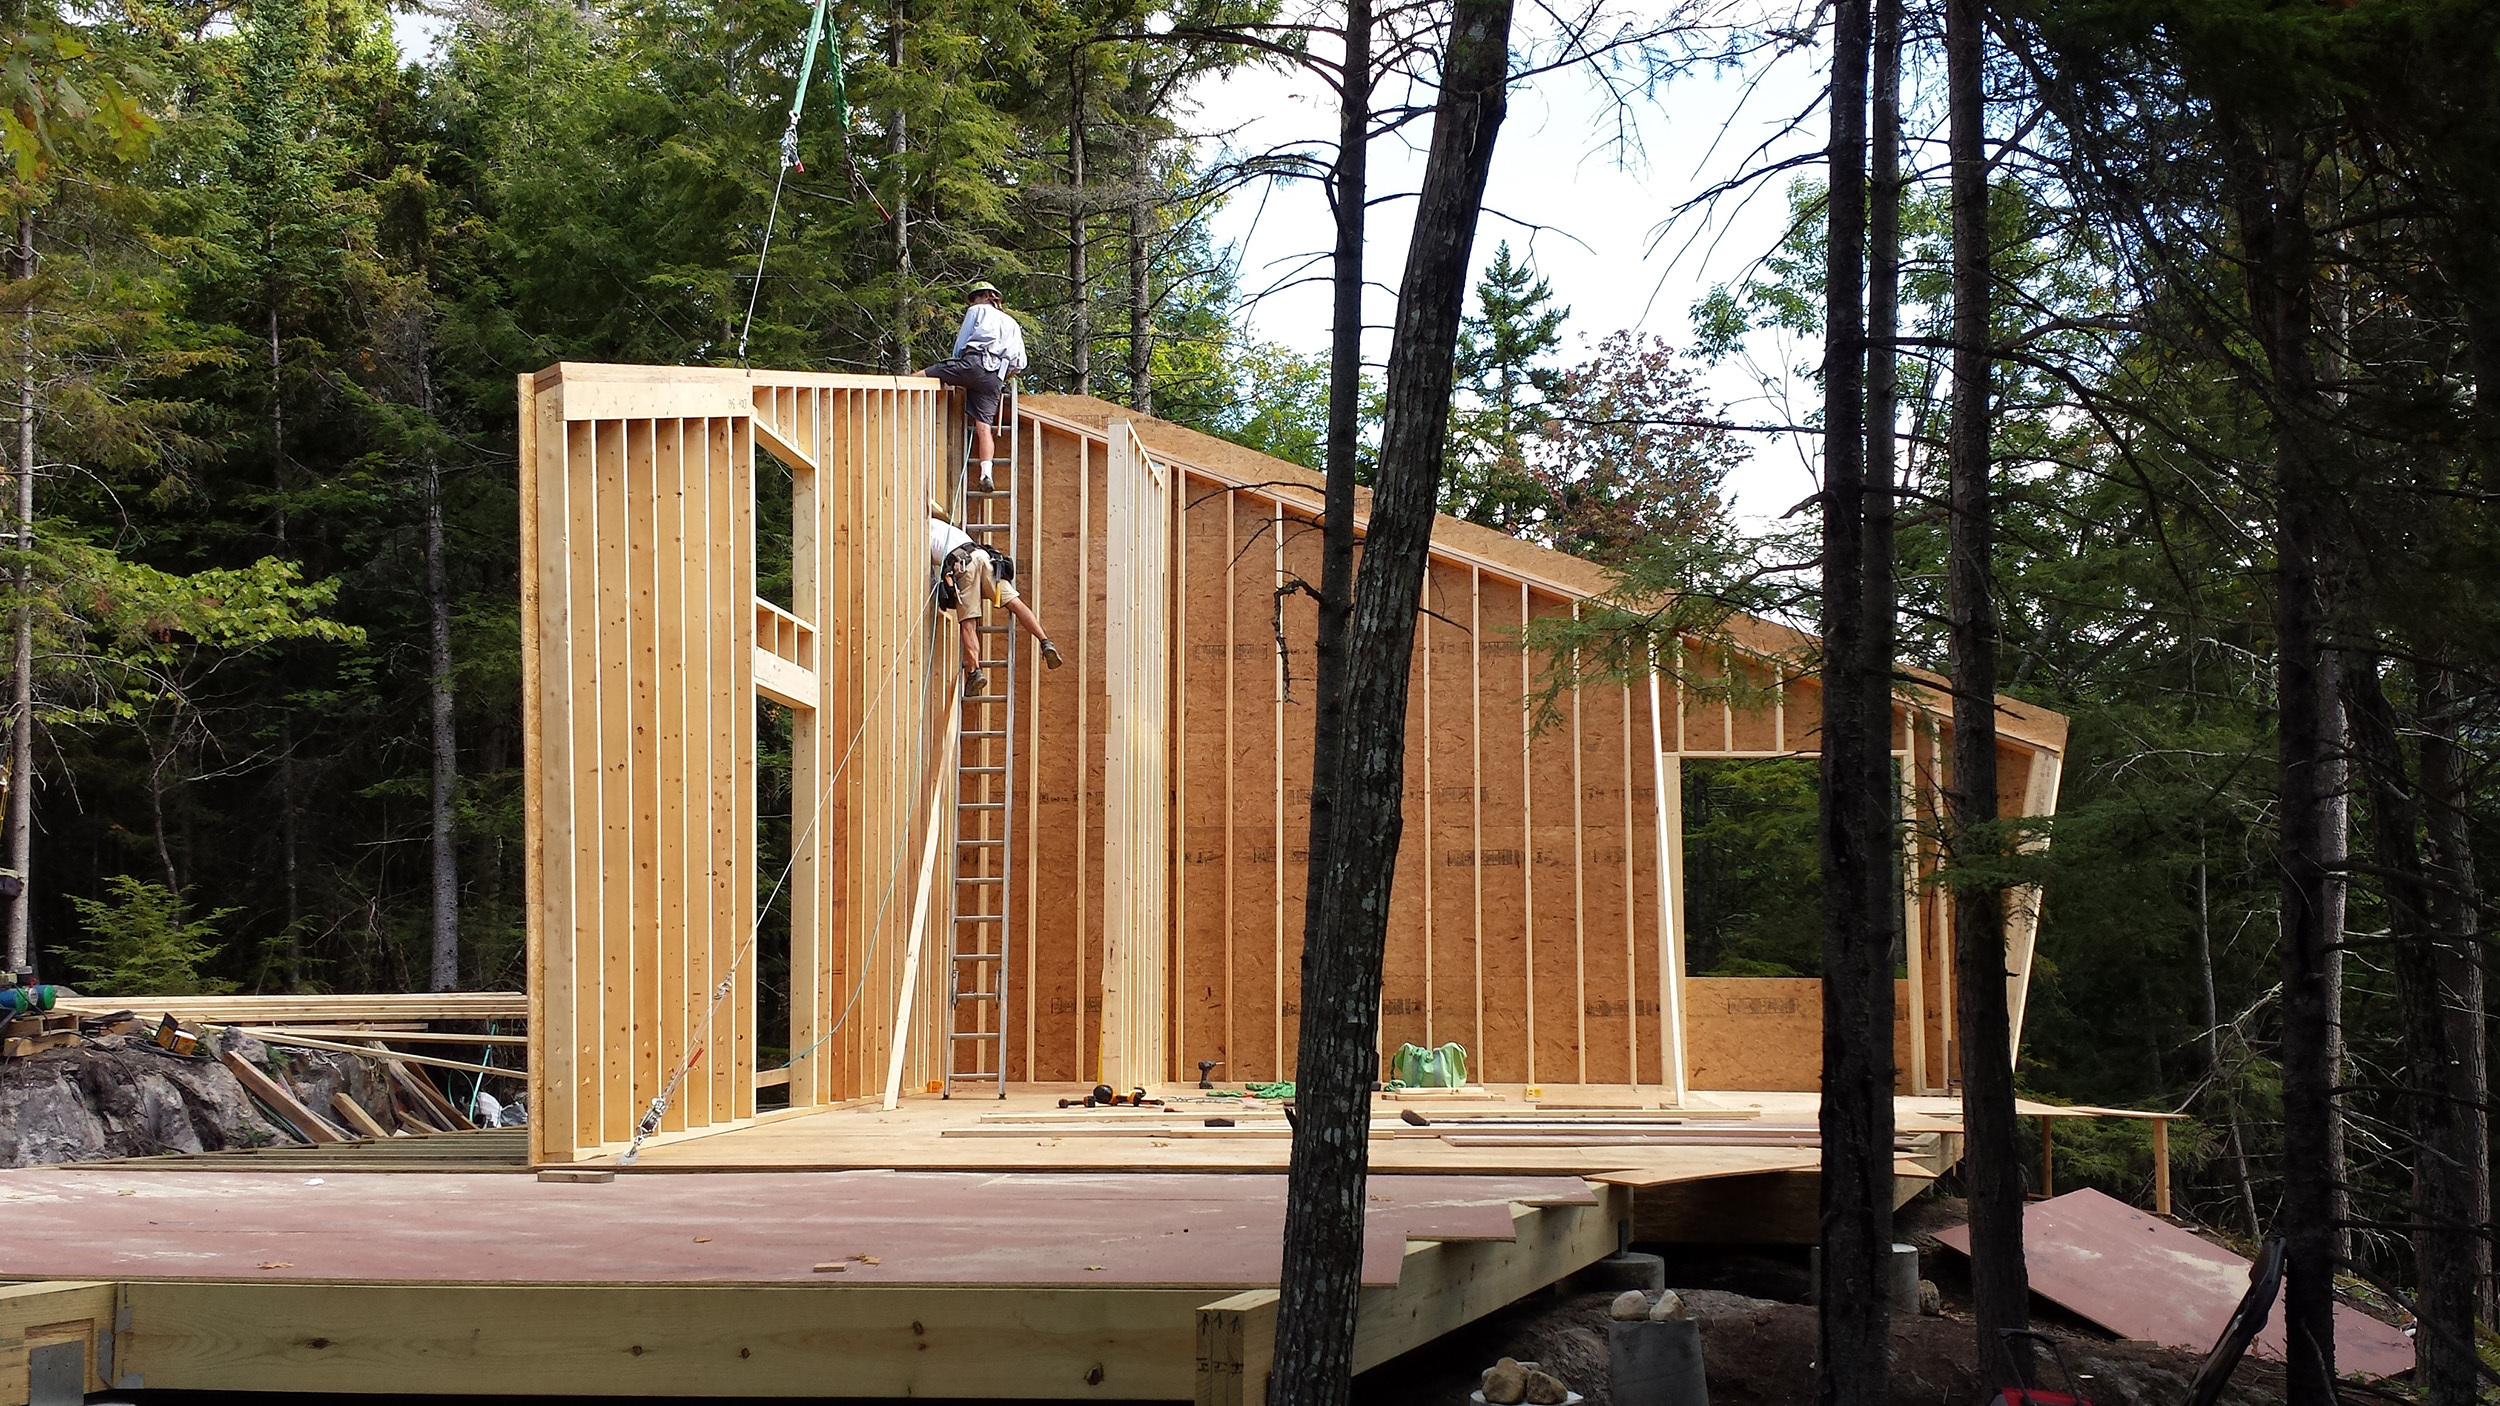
1856,809
1991,1156
289,803
904,364
1141,307
21,817
1347,193
2213,1039
2271,176
1080,282
2456,925
159,758
1344,933
445,974
2335,855
2442,1212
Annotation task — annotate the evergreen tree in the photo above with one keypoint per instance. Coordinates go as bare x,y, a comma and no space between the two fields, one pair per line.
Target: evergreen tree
1505,377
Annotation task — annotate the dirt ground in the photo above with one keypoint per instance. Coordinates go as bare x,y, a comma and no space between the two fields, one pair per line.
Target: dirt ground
1758,1338
1761,1353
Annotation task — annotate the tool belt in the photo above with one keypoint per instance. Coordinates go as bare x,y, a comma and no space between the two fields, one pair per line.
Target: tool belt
1002,567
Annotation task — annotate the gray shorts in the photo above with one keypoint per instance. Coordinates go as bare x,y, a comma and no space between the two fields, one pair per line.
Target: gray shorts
982,386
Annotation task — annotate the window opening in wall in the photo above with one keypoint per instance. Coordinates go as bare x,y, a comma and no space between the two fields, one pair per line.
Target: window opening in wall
1753,882
1753,870
772,895
775,485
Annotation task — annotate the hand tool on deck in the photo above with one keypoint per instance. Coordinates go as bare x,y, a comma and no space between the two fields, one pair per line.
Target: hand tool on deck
1205,1068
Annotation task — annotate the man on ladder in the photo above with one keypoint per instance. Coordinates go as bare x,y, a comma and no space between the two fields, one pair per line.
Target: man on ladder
989,349
972,577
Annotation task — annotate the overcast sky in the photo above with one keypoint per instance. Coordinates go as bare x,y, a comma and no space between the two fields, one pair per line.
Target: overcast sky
1589,214
1589,211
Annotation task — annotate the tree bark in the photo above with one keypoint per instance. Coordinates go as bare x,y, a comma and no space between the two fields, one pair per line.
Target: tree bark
904,364
2213,1039
2442,1211
1991,1157
1141,307
445,972
2456,906
1080,282
290,832
1343,933
1857,792
2270,191
21,816
1345,383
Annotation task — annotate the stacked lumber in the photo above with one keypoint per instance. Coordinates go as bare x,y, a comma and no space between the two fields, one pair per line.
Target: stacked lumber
383,1008
56,1030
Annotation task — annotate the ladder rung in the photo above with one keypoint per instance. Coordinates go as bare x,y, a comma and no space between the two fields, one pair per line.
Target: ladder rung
973,1034
985,732
980,917
985,844
980,879
1000,493
978,956
982,770
996,629
981,805
976,995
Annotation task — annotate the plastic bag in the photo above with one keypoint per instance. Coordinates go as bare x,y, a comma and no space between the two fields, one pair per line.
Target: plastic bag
1420,1068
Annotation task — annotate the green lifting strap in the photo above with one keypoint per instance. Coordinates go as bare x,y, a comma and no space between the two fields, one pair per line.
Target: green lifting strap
798,96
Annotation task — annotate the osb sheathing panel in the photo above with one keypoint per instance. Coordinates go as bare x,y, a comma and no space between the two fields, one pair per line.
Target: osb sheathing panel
1525,912
1766,1033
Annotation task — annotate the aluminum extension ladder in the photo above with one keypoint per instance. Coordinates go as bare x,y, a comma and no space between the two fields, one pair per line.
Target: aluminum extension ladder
977,956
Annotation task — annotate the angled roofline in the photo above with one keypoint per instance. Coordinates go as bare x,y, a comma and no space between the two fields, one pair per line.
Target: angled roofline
2026,724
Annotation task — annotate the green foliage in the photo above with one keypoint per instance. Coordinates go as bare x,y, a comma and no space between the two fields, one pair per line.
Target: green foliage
1504,371
1283,405
140,942
1753,888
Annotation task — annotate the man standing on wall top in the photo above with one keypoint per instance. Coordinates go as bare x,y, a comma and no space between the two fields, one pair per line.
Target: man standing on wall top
971,578
989,349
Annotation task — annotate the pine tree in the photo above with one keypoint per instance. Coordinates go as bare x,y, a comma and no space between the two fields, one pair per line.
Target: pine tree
1504,379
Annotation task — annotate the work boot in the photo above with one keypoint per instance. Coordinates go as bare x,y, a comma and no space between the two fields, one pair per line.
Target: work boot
986,485
1050,655
975,683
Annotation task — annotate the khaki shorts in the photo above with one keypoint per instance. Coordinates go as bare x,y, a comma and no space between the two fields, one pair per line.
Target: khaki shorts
977,587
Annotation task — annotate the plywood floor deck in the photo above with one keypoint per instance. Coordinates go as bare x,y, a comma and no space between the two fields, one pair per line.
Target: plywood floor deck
1606,1132
882,1228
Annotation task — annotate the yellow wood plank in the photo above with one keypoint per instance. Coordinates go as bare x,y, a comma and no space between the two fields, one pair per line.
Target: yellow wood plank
48,1313
1441,1286
676,1340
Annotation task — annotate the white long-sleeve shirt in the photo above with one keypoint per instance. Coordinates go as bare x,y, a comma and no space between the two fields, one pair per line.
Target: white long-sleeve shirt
990,334
944,538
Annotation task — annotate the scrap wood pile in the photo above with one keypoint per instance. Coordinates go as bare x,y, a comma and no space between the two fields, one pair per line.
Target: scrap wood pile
325,1068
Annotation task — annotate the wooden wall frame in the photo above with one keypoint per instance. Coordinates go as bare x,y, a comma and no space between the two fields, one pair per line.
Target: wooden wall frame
1533,925
644,651
1156,870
